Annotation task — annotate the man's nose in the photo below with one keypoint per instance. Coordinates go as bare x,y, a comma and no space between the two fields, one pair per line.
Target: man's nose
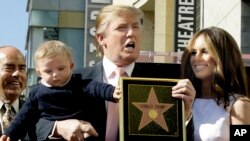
16,72
130,31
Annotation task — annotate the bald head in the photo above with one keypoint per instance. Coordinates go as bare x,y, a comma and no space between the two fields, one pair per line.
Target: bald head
13,77
10,50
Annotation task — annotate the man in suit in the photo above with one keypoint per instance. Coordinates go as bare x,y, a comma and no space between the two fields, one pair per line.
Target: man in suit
13,80
118,32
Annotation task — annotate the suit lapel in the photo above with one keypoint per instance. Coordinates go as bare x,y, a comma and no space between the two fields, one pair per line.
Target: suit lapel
21,101
138,71
98,72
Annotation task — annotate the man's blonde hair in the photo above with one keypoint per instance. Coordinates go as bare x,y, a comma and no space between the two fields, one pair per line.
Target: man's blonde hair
108,13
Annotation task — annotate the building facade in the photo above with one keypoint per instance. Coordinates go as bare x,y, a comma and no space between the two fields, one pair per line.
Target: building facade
168,24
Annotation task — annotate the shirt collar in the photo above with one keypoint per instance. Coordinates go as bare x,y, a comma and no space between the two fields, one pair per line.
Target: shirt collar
109,67
15,104
48,85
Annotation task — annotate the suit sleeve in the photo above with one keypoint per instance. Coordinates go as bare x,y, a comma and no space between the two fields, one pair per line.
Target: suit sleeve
44,129
190,130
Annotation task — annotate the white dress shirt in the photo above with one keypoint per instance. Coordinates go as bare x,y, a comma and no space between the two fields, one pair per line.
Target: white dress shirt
110,77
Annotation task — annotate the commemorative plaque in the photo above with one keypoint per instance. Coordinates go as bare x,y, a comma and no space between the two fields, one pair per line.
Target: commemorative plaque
147,110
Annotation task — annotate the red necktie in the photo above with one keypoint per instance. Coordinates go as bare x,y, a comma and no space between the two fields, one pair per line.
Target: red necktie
113,112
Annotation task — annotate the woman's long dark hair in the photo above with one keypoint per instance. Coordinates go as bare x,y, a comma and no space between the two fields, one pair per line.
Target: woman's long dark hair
229,75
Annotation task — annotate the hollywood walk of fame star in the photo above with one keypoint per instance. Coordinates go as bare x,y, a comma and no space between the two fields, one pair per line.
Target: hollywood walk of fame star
153,111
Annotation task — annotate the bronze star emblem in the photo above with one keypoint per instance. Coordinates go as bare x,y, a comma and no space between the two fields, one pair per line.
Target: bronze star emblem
153,111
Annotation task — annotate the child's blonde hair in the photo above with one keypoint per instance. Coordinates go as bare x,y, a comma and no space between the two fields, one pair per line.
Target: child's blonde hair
52,48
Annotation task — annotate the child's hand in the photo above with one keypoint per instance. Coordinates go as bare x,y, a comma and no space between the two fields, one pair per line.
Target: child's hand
4,138
117,93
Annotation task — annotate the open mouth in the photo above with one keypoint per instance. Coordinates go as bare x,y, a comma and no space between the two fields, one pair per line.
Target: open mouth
130,46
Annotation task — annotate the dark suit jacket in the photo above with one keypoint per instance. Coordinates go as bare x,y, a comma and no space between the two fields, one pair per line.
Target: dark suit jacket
98,109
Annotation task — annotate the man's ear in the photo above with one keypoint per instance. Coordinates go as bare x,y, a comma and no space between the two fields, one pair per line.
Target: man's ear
100,39
72,65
